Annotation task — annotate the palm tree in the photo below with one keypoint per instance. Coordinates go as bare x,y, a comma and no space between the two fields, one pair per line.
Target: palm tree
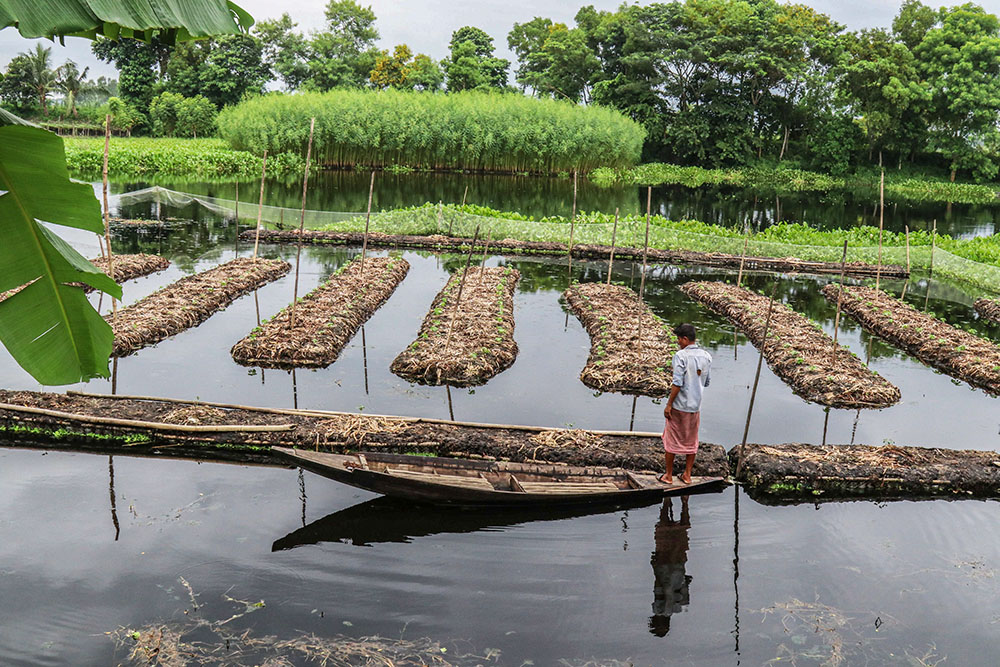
70,80
42,76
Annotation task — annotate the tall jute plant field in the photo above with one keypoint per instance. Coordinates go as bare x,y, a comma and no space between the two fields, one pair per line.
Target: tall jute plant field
468,130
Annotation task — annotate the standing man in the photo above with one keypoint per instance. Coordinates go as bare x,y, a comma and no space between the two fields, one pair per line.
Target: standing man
683,411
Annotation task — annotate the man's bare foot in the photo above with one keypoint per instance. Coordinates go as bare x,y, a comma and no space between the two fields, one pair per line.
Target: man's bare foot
686,479
665,479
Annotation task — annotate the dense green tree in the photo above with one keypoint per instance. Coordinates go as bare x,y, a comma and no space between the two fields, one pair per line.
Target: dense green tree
912,23
70,80
195,116
163,113
285,51
472,64
343,54
425,73
392,70
960,59
124,116
136,62
553,59
16,89
223,69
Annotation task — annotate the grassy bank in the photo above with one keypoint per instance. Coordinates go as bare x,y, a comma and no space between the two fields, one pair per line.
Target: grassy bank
469,131
146,156
796,180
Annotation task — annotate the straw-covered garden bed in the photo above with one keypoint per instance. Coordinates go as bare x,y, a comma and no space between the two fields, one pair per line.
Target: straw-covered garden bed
949,349
465,340
189,302
334,432
988,309
617,362
798,471
325,319
126,267
797,350
580,250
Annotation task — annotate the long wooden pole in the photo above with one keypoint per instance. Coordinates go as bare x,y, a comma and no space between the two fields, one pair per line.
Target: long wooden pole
302,222
756,380
572,225
368,217
933,243
260,205
907,228
461,286
881,226
486,252
465,194
840,297
237,206
642,278
743,257
611,257
107,209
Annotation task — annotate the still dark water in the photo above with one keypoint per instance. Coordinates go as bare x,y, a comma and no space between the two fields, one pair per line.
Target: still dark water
90,544
348,191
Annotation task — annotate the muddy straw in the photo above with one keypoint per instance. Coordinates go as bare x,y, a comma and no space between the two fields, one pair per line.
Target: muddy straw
840,298
302,221
461,286
642,279
368,217
107,210
988,309
260,207
756,381
881,225
611,257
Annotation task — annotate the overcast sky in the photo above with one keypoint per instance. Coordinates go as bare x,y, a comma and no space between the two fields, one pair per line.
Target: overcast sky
426,25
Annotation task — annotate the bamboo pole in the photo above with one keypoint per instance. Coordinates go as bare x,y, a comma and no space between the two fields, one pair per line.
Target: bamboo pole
840,297
302,222
486,250
881,226
237,207
756,380
933,243
324,414
907,228
743,257
260,206
461,286
572,226
368,217
107,210
465,194
642,278
611,257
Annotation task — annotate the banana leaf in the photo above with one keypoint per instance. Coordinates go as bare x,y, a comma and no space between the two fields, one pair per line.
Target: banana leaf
171,20
49,327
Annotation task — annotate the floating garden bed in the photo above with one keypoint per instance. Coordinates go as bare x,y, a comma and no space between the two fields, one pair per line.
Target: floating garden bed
797,471
956,352
189,302
988,309
465,343
610,314
325,319
126,267
580,250
797,349
69,425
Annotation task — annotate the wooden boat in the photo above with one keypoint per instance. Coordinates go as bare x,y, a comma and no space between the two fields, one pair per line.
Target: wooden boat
444,481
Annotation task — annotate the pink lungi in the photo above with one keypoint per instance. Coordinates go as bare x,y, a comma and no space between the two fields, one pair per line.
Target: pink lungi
680,435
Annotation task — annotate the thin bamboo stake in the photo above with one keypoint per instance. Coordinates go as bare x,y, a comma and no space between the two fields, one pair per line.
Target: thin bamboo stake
368,217
237,207
642,278
572,225
107,210
611,257
743,257
907,228
260,206
756,380
302,222
323,414
461,286
840,297
486,250
933,243
466,194
881,224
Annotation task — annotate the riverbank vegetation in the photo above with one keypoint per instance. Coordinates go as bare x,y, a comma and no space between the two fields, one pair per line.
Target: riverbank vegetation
468,130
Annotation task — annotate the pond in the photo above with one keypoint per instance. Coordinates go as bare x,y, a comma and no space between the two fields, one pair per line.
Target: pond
92,544
537,196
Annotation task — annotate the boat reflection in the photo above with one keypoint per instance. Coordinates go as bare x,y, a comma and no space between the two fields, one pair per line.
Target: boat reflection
387,520
671,581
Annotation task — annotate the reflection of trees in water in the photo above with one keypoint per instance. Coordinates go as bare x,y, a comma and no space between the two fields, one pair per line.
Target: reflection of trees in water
671,586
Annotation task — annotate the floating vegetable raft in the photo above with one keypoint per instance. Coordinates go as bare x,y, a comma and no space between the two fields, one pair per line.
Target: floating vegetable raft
949,349
797,471
583,251
126,267
617,362
467,344
325,319
189,302
988,309
146,426
797,349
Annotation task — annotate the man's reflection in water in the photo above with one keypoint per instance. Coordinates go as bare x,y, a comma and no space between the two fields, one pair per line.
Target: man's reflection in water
670,589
